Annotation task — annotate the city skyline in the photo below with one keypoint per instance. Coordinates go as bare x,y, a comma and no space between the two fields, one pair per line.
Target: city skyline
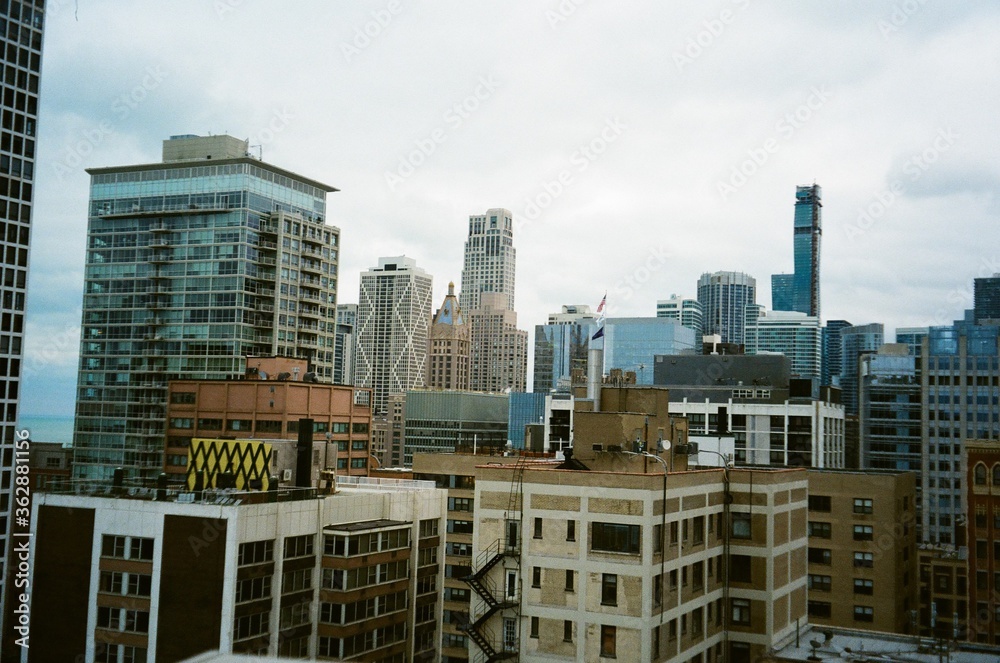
643,163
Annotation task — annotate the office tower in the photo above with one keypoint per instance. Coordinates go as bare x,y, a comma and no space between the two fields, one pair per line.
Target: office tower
525,409
912,338
808,232
750,409
354,575
862,557
856,341
631,344
986,298
193,264
561,347
450,421
791,333
499,350
489,259
448,365
22,56
959,365
832,349
394,316
343,349
782,292
687,312
723,297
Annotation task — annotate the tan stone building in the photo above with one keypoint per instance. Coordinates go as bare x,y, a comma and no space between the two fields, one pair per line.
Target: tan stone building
625,562
499,349
862,549
448,354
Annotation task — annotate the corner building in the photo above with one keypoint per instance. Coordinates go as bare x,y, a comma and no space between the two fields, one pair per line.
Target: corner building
618,563
193,264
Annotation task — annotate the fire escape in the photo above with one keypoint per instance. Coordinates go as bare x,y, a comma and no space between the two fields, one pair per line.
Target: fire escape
503,598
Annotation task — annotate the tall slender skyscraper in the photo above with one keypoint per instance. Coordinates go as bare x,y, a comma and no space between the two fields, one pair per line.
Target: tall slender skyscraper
499,350
489,259
21,60
724,297
394,317
808,232
192,265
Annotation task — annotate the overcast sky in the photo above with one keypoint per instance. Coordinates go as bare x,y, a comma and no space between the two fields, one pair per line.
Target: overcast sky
637,144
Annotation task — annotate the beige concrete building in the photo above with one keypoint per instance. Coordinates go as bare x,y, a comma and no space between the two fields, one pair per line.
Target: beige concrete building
457,474
627,562
862,549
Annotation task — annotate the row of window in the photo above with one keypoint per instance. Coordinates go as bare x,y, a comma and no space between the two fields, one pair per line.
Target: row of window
822,530
823,583
823,503
861,559
824,609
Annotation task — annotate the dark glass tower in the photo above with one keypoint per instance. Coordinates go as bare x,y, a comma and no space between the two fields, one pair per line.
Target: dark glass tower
21,28
808,231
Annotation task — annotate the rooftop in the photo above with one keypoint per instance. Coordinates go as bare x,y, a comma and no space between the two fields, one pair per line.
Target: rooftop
828,643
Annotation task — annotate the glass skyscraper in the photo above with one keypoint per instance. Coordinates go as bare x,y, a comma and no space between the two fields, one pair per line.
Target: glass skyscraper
791,333
22,27
561,346
687,312
856,341
632,344
192,265
806,246
724,297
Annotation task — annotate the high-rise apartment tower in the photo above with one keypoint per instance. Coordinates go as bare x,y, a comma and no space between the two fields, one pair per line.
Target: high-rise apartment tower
192,265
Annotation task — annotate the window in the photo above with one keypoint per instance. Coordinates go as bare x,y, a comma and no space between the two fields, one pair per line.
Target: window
255,552
608,640
141,549
996,474
863,613
538,528
864,586
140,584
819,555
113,546
864,559
863,533
741,525
536,576
979,474
534,628
819,503
112,582
612,537
740,568
698,530
862,505
819,530
569,580
819,582
298,546
609,589
571,530
820,609
741,611
460,504
567,631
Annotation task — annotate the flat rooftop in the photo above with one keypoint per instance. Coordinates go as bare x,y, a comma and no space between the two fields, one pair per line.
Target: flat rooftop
872,646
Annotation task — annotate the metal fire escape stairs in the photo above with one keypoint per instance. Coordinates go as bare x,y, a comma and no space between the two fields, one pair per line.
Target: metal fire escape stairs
494,600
